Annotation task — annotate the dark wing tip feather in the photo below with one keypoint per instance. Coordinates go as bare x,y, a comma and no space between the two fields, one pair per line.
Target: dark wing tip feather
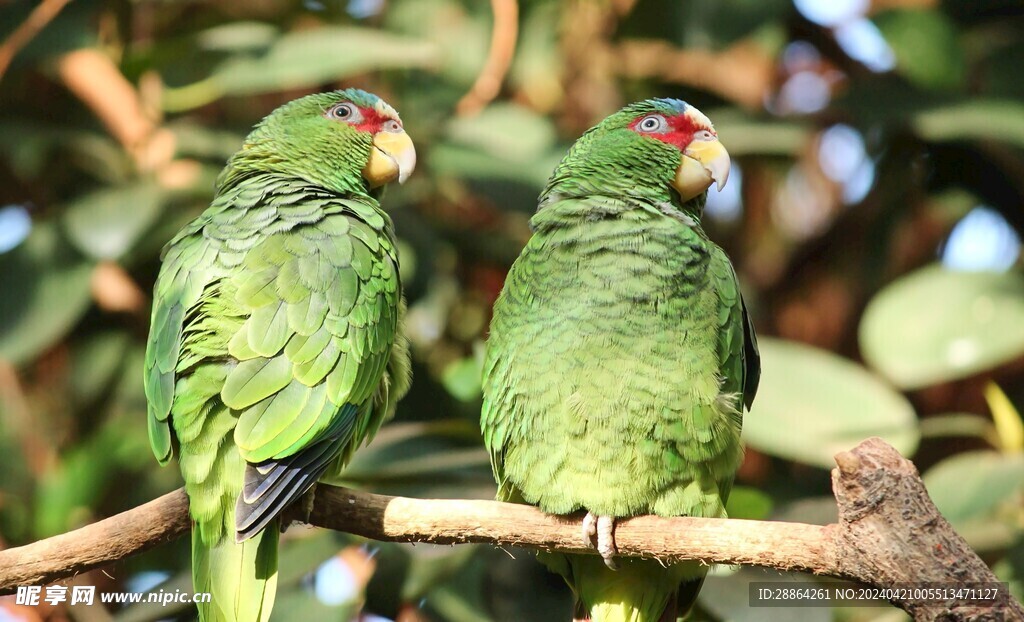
265,495
751,358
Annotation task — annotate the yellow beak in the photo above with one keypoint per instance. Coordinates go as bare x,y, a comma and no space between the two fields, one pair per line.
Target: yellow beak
393,157
704,162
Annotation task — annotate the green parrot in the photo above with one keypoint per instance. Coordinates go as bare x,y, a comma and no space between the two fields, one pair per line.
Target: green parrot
620,355
275,347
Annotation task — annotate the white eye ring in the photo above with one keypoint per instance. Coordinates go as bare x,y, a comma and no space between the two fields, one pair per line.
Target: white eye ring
392,125
703,135
653,124
345,112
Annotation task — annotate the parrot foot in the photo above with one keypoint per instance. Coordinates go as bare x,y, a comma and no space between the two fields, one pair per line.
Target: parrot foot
601,529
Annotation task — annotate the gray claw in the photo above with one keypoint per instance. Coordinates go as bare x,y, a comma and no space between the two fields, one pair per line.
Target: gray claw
602,529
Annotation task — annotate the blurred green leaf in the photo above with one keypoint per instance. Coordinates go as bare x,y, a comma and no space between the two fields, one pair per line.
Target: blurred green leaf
749,503
746,136
504,130
462,379
504,141
975,119
813,404
936,325
972,484
726,21
304,59
238,36
95,363
423,459
106,223
460,33
46,290
68,492
958,424
926,45
431,566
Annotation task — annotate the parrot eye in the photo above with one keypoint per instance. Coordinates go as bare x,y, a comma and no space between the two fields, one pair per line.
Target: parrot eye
345,112
392,125
704,135
655,124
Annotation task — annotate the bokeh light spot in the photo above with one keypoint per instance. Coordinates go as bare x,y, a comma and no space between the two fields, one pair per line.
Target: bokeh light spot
15,225
863,42
804,92
334,583
727,205
981,241
831,12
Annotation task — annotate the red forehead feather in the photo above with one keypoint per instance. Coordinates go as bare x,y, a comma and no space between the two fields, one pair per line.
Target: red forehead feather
372,120
680,132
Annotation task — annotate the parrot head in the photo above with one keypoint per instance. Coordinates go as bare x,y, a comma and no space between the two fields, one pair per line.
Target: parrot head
347,141
658,149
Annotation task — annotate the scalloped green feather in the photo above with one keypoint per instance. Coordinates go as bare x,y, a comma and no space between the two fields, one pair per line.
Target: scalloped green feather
253,380
344,291
257,290
268,329
259,424
316,415
315,370
301,349
307,315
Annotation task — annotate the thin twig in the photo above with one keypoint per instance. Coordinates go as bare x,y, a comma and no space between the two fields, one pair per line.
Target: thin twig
40,16
499,58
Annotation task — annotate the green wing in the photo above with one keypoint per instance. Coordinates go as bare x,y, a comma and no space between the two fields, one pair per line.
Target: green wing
322,305
285,319
740,362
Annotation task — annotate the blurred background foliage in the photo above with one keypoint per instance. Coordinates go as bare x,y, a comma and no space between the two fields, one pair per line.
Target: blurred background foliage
874,216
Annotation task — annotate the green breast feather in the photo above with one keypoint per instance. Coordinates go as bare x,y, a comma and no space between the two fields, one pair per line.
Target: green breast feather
620,356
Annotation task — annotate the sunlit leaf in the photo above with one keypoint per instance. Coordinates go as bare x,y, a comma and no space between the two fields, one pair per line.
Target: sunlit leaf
813,404
935,325
1008,424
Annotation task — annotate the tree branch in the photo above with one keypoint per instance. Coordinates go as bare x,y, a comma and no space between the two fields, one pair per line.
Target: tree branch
889,533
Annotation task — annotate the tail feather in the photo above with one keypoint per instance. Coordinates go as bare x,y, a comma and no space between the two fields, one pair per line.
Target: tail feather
242,577
641,590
